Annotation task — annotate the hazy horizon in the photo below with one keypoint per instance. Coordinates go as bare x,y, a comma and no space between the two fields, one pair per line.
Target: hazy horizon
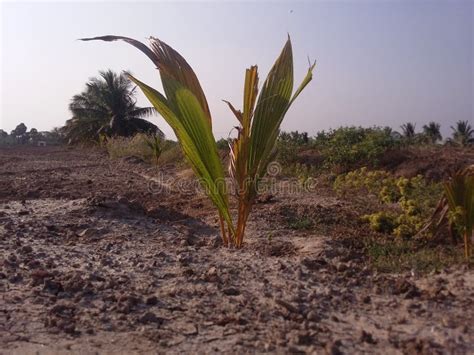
378,63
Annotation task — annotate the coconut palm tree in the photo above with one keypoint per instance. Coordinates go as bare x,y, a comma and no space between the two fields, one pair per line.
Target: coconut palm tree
107,107
463,134
432,132
408,130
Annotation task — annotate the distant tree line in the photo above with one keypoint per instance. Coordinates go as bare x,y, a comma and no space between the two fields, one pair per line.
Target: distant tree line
21,136
462,134
346,147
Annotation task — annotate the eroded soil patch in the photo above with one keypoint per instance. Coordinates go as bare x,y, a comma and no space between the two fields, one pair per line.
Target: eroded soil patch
112,266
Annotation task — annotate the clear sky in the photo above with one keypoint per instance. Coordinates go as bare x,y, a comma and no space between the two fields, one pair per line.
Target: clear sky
379,62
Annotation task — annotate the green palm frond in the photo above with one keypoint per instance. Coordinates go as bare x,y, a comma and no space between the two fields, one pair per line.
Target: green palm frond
259,128
186,110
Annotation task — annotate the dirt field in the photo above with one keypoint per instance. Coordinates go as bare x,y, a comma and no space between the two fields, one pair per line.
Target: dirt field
101,256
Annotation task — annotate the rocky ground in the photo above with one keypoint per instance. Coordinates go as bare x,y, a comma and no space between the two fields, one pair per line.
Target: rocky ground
101,256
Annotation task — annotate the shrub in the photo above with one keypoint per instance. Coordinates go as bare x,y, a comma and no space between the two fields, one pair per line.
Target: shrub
347,147
414,199
288,145
304,223
382,222
144,147
172,154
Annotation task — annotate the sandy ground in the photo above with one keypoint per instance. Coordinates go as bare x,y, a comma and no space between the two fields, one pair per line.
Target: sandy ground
115,257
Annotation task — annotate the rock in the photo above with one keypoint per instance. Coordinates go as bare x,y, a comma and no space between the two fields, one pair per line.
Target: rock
366,337
34,264
288,306
188,329
313,316
334,348
211,274
67,327
231,291
88,233
303,338
150,317
74,284
12,258
26,249
313,264
265,198
340,267
127,302
151,301
63,308
15,278
52,286
215,241
133,160
403,286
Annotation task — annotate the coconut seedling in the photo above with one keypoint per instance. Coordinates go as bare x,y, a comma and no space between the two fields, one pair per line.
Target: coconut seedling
184,107
456,208
459,192
155,143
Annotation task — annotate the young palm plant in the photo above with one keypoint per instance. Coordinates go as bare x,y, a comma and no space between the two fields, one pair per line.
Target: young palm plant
184,107
155,143
456,208
459,192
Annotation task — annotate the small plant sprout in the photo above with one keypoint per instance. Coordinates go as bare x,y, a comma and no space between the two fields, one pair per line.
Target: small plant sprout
155,143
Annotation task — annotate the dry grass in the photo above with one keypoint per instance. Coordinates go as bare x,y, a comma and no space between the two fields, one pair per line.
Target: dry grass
137,146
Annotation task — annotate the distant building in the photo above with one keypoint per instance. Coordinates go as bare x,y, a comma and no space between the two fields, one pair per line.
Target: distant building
41,143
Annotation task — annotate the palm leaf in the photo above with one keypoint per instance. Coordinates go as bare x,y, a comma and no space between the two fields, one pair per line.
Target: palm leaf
260,123
193,131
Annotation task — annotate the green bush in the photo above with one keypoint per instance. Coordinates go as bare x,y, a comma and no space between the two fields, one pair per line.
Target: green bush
288,146
382,222
347,147
414,199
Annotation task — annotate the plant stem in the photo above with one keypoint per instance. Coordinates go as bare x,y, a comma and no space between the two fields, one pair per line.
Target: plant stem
225,240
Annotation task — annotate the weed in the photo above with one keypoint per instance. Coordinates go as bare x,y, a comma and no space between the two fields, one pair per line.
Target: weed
396,255
303,223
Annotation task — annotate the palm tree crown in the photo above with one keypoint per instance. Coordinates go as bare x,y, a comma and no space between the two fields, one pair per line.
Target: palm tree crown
107,107
463,134
432,132
408,130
